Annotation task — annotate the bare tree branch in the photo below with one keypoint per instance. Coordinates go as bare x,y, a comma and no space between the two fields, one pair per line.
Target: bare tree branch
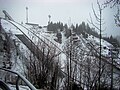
91,22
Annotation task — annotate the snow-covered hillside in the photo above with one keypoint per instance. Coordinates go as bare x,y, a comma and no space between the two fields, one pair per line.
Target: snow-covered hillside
20,52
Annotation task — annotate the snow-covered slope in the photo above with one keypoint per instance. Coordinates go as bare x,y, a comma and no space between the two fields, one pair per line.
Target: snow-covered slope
46,36
36,34
50,37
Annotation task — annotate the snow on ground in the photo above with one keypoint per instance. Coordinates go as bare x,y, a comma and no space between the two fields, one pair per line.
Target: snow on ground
21,87
8,27
105,45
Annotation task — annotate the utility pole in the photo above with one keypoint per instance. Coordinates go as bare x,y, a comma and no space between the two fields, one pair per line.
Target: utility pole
100,48
69,22
26,14
49,16
111,88
71,44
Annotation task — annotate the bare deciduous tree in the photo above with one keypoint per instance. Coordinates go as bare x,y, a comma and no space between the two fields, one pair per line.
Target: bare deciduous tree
114,3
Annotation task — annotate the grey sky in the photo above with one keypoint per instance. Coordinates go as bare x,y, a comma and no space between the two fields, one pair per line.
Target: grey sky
60,10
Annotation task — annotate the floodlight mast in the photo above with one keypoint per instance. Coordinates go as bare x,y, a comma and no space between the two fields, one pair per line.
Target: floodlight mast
26,14
49,16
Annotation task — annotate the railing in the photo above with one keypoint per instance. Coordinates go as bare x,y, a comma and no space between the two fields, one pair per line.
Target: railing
19,76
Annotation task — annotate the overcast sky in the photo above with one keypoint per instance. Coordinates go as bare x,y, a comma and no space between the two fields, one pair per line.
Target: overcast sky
60,10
